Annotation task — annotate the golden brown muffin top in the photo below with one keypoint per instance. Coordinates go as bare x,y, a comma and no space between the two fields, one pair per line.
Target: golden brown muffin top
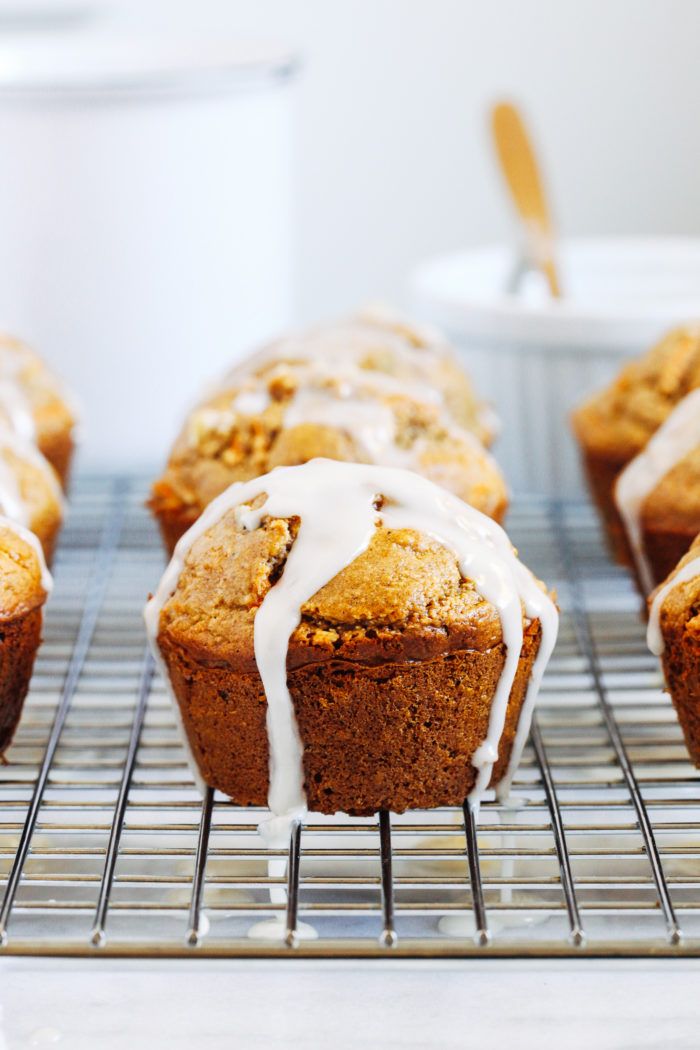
403,597
25,380
620,420
681,607
288,413
379,342
21,587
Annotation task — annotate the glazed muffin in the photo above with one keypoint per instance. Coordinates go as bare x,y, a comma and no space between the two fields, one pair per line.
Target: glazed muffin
614,426
384,344
657,495
674,635
30,491
24,587
327,647
36,405
286,413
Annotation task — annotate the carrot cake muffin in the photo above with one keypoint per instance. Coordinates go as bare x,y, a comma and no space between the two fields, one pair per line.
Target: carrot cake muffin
34,403
614,426
24,587
328,646
287,412
674,635
30,492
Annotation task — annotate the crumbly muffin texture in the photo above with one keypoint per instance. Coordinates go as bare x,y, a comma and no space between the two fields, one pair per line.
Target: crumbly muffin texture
392,669
620,420
380,342
679,621
288,413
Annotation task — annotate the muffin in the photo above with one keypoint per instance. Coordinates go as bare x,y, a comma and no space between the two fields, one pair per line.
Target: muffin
657,495
286,413
674,635
24,587
34,404
383,343
30,491
327,646
614,426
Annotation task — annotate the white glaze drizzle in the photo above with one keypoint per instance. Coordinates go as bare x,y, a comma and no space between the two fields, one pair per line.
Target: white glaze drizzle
15,407
32,541
19,363
335,503
344,398
350,343
675,439
655,639
11,502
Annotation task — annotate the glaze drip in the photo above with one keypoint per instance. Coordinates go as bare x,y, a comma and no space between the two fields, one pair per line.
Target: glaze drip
655,639
675,439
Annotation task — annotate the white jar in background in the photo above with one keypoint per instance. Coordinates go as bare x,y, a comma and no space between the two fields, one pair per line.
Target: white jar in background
145,219
536,358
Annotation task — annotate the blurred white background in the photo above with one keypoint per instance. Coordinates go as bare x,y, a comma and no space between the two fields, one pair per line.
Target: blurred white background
378,157
394,163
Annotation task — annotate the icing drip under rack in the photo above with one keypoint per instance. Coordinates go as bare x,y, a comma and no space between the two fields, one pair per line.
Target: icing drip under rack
106,848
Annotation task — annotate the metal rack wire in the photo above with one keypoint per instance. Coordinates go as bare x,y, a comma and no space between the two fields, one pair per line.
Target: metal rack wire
107,848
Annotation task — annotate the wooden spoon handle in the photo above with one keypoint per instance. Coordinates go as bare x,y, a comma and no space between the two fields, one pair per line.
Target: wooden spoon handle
522,174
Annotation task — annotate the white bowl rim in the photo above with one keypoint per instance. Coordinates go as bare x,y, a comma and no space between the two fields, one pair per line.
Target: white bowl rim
440,287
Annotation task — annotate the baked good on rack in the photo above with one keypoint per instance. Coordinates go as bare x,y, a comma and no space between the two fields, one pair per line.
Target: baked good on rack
30,491
327,645
674,635
614,426
24,587
385,344
657,495
287,411
36,405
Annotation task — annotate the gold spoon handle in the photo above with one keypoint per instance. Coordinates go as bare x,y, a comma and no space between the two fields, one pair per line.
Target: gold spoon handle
522,174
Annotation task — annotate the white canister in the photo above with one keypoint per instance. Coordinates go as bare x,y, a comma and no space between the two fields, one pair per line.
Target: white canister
145,220
536,358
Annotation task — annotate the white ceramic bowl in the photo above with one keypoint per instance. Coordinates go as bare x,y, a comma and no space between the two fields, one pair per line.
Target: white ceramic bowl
534,357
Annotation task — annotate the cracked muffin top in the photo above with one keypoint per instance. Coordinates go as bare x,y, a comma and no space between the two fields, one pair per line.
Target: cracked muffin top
619,421
380,342
402,598
287,412
24,582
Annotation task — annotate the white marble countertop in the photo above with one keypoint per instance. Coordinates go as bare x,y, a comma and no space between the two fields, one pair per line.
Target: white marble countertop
104,1004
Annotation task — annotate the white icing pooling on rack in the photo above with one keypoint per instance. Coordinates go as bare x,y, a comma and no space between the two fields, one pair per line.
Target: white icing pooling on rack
32,541
336,505
675,439
655,639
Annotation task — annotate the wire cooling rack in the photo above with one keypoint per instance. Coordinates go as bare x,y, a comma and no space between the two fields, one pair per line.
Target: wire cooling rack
106,848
